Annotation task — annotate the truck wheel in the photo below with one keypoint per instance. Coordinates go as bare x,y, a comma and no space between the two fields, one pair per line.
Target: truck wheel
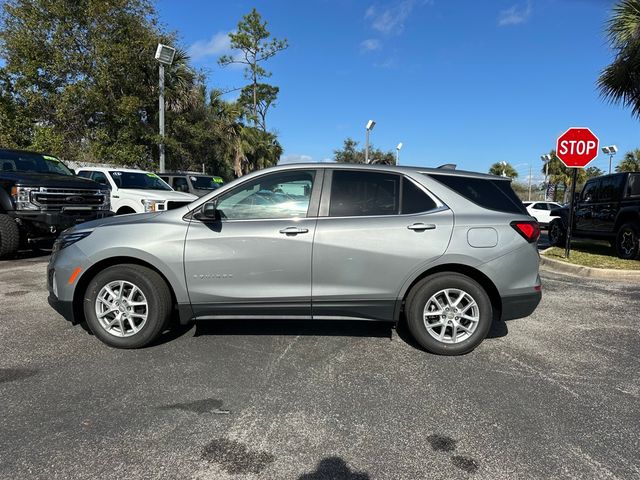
557,235
628,241
448,313
127,306
9,236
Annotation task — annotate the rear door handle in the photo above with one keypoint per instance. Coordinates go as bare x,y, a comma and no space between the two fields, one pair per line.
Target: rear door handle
293,230
421,226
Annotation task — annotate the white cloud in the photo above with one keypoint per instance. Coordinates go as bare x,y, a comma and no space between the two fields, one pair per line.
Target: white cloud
515,15
370,44
390,19
218,44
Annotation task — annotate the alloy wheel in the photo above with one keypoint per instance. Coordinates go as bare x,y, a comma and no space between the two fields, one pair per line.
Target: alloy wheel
451,315
121,308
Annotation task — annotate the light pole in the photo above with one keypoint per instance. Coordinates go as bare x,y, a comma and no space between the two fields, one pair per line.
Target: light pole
369,127
546,158
164,55
611,150
398,147
504,165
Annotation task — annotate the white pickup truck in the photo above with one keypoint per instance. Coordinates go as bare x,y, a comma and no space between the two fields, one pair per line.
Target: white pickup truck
136,191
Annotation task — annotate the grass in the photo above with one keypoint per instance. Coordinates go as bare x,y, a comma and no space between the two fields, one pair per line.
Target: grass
593,254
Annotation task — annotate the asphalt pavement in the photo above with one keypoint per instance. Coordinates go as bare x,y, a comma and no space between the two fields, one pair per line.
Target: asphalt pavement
555,395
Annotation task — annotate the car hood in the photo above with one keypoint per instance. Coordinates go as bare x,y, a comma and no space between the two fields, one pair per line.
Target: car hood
115,220
159,194
51,180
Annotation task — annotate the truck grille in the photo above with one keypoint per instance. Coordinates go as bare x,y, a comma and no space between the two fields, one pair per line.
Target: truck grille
174,205
59,198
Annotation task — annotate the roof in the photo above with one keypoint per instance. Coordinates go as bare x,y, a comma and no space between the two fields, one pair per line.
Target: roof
112,169
17,150
393,168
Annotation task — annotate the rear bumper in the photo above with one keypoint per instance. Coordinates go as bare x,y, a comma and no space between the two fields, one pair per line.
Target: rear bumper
63,308
520,306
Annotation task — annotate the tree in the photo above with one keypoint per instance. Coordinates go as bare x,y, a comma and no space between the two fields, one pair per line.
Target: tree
503,169
253,40
630,162
620,81
351,154
266,97
592,172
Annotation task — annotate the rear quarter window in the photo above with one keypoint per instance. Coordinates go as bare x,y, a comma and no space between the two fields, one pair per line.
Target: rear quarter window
488,193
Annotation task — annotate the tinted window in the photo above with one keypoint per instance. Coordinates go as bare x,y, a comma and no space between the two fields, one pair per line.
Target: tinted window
100,178
540,206
610,188
589,191
11,161
143,181
633,187
279,195
206,183
414,200
491,194
84,174
358,193
180,184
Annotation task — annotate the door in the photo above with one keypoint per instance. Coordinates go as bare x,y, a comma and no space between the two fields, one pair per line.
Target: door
374,229
256,260
585,208
606,207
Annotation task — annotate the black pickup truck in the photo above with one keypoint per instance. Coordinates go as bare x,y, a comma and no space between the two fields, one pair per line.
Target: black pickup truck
40,197
608,208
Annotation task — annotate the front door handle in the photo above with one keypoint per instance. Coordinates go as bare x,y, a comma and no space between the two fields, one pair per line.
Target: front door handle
293,230
421,226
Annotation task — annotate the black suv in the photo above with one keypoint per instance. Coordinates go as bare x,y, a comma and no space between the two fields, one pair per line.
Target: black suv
608,208
40,197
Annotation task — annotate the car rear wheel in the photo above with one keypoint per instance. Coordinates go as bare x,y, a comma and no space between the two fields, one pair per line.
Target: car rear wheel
9,236
448,313
557,235
127,306
628,241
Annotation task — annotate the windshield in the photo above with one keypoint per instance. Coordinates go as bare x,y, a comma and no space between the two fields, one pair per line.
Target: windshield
139,180
31,162
201,182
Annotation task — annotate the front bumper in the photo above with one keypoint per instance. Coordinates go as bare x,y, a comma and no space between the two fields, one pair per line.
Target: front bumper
56,222
62,307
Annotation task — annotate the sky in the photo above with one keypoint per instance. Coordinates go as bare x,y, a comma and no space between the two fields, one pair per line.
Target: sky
456,81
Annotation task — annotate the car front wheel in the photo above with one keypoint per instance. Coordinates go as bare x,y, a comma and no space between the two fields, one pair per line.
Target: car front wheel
448,313
127,306
628,241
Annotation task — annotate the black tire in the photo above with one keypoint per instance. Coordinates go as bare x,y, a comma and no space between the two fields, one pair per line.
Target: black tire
429,286
557,233
125,211
155,290
628,241
9,236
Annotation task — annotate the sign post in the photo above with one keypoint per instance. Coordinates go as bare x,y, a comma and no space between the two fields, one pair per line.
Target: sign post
575,148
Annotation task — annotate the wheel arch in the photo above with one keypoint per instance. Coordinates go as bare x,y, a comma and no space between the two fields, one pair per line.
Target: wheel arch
471,272
625,216
5,201
87,276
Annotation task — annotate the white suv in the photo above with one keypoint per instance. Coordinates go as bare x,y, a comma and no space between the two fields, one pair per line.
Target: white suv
136,191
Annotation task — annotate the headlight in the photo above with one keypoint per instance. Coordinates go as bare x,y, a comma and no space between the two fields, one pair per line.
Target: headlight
22,198
153,205
65,240
106,205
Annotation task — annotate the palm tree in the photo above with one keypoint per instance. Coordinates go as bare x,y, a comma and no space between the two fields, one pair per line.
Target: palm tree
630,162
504,169
620,81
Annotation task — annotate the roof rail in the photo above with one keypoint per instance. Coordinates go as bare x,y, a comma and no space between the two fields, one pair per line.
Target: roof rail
447,166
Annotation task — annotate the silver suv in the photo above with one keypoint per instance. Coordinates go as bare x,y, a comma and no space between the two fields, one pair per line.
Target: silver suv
447,250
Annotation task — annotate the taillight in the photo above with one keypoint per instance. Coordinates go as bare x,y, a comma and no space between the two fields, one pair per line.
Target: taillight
530,231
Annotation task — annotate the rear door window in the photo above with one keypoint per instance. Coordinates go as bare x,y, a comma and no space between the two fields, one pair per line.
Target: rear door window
360,193
633,185
487,193
414,200
610,188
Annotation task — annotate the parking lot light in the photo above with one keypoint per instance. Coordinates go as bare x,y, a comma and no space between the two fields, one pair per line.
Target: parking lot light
369,127
610,150
546,158
398,147
164,55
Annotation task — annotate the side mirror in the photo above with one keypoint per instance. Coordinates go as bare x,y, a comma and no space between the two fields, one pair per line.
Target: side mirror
208,213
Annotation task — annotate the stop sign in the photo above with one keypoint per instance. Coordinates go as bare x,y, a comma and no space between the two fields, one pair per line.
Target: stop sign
577,147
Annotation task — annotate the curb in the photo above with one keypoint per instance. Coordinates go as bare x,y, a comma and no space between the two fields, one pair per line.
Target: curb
559,266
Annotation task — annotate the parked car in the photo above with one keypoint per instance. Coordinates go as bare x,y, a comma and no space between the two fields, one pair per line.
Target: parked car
541,211
137,191
608,208
448,250
194,183
40,197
